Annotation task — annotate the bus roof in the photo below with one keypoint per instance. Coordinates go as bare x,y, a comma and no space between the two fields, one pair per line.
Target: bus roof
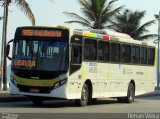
100,34
111,35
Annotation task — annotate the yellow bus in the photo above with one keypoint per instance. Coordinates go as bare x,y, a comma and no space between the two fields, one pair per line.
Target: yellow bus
81,65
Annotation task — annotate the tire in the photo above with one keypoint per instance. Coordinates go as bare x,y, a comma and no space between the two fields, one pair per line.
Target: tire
84,96
37,100
130,94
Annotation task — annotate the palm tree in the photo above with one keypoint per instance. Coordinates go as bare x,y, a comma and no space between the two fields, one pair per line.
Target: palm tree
24,6
129,22
97,13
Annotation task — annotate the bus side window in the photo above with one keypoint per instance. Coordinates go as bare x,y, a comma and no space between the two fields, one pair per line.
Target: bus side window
151,55
135,54
103,51
115,52
125,53
76,54
143,55
90,49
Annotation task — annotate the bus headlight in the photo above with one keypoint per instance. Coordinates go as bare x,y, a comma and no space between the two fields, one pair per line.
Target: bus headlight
56,85
60,83
11,76
15,82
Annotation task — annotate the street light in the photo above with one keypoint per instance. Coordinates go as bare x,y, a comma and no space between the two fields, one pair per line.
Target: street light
158,18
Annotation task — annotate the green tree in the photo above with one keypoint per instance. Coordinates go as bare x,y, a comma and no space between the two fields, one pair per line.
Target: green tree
24,6
97,13
129,22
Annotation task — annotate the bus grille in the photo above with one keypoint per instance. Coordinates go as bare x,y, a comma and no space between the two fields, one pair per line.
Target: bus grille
23,88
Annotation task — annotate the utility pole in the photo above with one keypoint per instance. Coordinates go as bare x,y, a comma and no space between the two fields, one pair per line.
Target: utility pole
158,69
3,48
158,49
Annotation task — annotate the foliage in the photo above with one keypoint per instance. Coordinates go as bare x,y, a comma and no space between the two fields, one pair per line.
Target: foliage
129,22
24,6
97,13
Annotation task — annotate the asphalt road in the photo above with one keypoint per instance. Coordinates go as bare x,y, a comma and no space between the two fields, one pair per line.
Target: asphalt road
109,106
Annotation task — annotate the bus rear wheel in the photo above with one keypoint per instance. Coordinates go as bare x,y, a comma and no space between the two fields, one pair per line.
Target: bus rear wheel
130,94
84,96
37,100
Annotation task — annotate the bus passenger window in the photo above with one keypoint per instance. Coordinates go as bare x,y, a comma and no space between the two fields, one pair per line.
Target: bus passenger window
90,49
151,55
115,52
100,51
76,54
103,51
125,53
135,54
143,55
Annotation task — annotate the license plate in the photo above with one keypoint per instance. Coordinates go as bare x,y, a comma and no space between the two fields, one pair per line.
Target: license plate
34,90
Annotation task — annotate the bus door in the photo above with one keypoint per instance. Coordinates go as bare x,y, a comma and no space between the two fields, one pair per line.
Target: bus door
89,64
75,79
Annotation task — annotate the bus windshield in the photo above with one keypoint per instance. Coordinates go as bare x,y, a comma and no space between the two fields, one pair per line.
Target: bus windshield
40,55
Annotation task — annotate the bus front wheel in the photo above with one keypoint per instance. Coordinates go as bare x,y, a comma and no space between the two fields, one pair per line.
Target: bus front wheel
84,96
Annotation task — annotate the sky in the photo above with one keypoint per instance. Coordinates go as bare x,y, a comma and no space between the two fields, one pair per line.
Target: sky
50,13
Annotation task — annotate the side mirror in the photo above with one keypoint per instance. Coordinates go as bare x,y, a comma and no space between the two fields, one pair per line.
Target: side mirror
8,49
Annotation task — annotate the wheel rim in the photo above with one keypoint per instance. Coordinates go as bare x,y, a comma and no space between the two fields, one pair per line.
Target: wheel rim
131,94
84,94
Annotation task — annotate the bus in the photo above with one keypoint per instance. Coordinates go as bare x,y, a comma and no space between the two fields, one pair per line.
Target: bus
80,64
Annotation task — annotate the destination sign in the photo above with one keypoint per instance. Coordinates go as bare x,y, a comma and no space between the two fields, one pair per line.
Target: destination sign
41,33
26,63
